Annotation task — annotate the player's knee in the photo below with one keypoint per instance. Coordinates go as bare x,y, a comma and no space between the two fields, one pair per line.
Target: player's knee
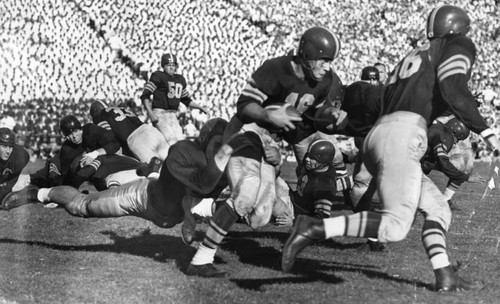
78,206
443,217
393,231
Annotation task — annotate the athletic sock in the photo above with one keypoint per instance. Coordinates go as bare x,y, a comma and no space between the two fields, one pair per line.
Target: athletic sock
434,240
219,225
43,195
361,224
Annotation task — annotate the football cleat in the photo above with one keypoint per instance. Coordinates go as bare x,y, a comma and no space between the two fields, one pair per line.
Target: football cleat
375,246
305,231
447,279
154,166
205,271
188,229
16,199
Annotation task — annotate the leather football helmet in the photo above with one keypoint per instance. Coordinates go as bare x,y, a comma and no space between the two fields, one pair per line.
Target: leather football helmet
447,139
7,137
96,107
447,19
370,73
212,127
322,151
458,129
318,43
68,124
169,58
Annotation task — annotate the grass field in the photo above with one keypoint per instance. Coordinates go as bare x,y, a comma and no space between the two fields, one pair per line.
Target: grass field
48,256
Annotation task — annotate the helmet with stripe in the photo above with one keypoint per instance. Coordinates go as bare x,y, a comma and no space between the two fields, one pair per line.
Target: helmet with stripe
322,151
169,58
318,43
95,109
447,19
370,73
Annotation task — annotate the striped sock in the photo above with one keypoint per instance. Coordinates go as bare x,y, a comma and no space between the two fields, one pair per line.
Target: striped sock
323,206
361,224
434,240
219,226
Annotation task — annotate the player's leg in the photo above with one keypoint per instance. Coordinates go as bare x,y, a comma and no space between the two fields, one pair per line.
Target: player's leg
462,157
398,175
364,187
437,216
262,212
244,178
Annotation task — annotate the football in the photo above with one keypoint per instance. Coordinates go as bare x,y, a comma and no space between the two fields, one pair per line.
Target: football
328,118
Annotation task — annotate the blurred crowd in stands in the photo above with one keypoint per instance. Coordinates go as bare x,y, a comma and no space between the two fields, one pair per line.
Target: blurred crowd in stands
58,56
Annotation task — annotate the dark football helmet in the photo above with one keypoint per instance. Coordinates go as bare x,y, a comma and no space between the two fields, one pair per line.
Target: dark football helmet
169,58
7,137
96,107
318,43
322,151
212,127
458,129
447,139
68,124
447,19
370,73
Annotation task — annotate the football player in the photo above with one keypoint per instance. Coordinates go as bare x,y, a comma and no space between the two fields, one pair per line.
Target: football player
446,155
305,80
89,153
316,185
169,90
13,159
251,173
382,70
422,86
142,140
193,168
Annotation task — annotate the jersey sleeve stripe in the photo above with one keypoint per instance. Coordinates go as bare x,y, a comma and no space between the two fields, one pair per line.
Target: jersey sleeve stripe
150,87
105,125
487,133
458,64
254,93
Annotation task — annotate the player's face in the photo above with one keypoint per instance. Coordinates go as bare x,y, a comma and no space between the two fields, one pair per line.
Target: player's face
318,68
382,72
5,152
171,68
76,136
312,164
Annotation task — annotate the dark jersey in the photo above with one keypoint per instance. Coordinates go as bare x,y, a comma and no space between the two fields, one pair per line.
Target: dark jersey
93,138
362,105
185,170
432,79
11,168
276,82
121,120
168,91
313,186
436,158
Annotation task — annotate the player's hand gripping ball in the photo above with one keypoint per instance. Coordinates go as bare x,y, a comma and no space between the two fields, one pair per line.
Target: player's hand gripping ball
328,119
290,115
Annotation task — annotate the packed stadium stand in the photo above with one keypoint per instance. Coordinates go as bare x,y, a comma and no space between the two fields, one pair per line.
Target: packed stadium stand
57,56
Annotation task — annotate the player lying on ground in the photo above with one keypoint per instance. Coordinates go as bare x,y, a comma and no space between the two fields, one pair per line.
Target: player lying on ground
191,169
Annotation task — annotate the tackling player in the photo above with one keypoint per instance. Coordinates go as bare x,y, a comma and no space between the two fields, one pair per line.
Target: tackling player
423,85
316,185
13,159
168,90
442,140
142,140
193,168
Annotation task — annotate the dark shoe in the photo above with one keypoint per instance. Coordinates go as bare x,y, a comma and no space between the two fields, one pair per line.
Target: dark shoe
375,246
205,271
25,196
305,231
188,229
154,165
447,279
